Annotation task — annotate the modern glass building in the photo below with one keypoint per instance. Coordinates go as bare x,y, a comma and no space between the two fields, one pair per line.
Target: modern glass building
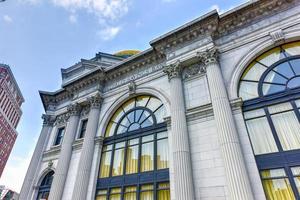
210,112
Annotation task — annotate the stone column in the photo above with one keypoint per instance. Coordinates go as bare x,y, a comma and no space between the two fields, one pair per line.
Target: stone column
62,167
183,178
27,187
87,152
236,174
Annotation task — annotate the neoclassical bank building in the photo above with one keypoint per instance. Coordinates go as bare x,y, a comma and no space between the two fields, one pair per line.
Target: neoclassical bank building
209,112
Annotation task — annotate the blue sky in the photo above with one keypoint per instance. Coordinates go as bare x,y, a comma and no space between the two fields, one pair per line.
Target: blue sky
39,37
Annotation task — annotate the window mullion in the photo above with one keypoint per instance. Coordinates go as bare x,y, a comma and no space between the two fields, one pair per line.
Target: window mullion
112,160
125,157
292,182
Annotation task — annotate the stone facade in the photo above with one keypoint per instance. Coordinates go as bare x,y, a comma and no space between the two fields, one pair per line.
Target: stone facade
195,71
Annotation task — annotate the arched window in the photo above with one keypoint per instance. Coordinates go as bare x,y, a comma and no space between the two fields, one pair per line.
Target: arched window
270,89
44,188
135,158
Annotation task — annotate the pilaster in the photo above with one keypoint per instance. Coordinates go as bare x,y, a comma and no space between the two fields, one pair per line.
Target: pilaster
87,152
235,169
184,187
61,171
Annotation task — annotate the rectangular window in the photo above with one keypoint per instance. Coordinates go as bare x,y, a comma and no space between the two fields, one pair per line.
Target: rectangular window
260,132
276,185
287,125
105,161
101,195
115,194
130,193
146,192
59,136
147,154
296,174
132,156
83,128
119,152
163,192
162,154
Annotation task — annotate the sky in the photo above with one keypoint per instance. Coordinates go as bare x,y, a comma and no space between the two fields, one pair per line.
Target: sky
39,37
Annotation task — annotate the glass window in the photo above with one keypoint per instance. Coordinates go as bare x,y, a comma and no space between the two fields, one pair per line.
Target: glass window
130,193
105,161
162,154
132,157
59,136
115,194
163,191
147,192
277,185
101,195
117,168
147,157
83,128
296,174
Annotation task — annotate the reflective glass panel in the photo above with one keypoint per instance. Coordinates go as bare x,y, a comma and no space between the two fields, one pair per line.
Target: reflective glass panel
147,192
147,157
296,174
162,154
130,193
163,191
288,130
292,48
272,88
105,164
248,90
101,195
296,65
117,168
294,82
254,72
132,159
270,57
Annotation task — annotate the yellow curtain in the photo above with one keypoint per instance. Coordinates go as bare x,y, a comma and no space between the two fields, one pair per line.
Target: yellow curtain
163,194
105,164
115,197
130,196
147,195
162,154
132,159
101,197
147,157
278,189
117,169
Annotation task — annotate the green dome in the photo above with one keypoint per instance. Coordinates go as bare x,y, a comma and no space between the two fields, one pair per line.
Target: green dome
127,53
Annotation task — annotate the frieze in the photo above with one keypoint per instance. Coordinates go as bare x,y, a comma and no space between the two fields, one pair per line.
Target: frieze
135,76
193,70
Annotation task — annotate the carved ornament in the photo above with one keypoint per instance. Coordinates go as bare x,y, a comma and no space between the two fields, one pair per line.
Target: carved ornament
173,70
193,70
209,56
48,120
95,101
74,109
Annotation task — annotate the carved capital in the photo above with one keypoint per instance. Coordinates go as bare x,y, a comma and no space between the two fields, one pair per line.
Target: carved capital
48,120
173,70
208,56
74,109
62,119
95,101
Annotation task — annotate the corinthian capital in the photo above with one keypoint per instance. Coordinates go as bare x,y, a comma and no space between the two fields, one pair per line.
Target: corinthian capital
208,56
95,101
173,70
74,109
48,120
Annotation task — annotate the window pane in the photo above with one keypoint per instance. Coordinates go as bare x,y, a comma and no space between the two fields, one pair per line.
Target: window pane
288,130
154,103
271,88
296,174
142,100
254,113
296,65
163,194
115,197
105,164
253,72
270,57
248,90
162,154
160,114
292,48
147,157
129,105
278,189
110,129
285,70
148,138
132,159
101,195
119,113
130,193
147,195
261,136
273,77
117,169
280,108
296,171
274,173
162,135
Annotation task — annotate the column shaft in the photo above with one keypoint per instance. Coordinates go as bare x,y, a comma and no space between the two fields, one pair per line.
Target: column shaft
235,168
183,178
61,171
86,157
27,187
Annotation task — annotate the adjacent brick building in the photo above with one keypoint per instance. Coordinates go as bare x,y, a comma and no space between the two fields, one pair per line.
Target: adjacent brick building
11,100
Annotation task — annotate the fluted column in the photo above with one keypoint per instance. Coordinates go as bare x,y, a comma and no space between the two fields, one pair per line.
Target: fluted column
61,171
183,179
27,186
236,174
86,157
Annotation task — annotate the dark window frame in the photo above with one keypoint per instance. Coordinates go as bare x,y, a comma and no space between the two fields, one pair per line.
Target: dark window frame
59,136
83,128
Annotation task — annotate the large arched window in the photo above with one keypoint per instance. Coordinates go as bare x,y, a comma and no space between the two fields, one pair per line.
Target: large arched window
44,188
270,89
135,158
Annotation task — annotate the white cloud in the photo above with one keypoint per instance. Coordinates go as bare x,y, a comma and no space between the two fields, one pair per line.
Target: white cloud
73,19
108,33
7,19
109,9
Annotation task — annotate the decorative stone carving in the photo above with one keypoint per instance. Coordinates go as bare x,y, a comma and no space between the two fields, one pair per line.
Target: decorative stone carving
48,120
74,109
61,119
193,70
208,56
131,87
95,101
50,164
85,111
277,36
173,70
